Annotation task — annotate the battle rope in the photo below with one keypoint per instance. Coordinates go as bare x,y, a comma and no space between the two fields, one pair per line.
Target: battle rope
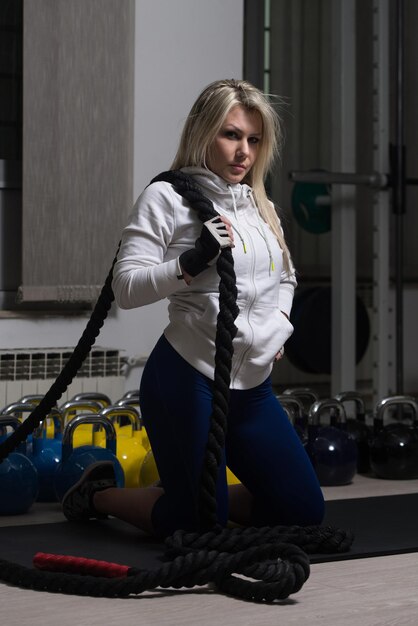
69,370
270,558
225,332
274,561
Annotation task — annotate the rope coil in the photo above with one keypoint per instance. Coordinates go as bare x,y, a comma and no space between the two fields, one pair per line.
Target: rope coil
273,561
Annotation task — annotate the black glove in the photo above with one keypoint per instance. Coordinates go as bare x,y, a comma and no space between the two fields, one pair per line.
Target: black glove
213,237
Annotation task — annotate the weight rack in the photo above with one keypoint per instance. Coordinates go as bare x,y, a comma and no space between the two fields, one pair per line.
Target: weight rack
389,162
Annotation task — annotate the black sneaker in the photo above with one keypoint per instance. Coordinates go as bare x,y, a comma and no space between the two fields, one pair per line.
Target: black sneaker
77,503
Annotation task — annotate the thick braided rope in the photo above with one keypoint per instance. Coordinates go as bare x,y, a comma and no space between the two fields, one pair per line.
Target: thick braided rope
225,332
272,557
69,371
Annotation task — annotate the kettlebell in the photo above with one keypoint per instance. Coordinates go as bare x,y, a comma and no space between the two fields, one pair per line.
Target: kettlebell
131,398
75,460
131,394
98,399
95,396
129,448
394,447
308,396
34,399
296,413
307,393
18,476
71,409
358,429
124,423
18,409
149,473
47,453
333,451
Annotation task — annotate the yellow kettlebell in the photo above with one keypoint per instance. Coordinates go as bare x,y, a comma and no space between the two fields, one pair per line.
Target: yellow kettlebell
95,396
130,400
133,394
231,479
129,449
149,472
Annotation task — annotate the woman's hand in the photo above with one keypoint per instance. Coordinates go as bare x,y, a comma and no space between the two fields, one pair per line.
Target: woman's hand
280,353
216,234
229,230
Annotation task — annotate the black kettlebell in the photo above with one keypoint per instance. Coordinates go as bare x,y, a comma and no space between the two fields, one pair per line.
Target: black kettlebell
307,396
358,429
394,446
332,450
295,411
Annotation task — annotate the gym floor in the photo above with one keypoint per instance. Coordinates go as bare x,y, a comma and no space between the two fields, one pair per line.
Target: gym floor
372,592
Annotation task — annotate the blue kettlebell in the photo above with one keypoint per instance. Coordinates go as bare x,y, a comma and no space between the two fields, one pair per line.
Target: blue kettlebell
75,460
394,446
332,450
71,409
18,475
46,454
18,409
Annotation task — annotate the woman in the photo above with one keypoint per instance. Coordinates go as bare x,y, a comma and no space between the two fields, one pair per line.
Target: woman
228,144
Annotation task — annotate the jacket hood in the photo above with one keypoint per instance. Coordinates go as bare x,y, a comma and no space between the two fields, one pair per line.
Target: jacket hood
218,189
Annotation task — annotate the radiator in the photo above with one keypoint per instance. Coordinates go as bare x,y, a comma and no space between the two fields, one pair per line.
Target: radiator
26,372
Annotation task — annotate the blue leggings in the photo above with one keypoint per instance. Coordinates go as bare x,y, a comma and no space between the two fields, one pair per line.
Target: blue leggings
262,448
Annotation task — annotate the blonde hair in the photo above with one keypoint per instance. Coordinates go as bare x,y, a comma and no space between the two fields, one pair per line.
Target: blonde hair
204,122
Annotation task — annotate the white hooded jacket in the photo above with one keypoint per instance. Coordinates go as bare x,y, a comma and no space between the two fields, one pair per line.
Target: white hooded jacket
162,226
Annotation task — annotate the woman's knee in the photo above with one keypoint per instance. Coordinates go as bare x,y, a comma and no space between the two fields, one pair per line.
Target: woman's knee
291,509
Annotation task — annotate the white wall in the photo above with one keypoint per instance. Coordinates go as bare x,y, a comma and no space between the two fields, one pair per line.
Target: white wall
181,46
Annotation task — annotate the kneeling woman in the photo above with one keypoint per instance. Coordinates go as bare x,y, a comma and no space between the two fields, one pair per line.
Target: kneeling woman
228,144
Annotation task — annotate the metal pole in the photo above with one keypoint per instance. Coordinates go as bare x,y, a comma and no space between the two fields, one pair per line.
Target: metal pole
399,190
375,179
382,335
343,242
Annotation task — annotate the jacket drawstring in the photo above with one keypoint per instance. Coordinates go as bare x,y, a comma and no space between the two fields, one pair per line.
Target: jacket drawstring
262,231
234,204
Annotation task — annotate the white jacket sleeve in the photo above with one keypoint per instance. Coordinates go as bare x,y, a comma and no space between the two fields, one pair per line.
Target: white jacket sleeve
141,274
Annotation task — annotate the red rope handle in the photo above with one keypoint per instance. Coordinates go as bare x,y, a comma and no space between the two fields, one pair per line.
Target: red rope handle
81,565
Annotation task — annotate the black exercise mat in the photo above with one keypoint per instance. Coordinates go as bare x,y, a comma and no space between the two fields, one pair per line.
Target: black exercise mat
110,540
382,525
